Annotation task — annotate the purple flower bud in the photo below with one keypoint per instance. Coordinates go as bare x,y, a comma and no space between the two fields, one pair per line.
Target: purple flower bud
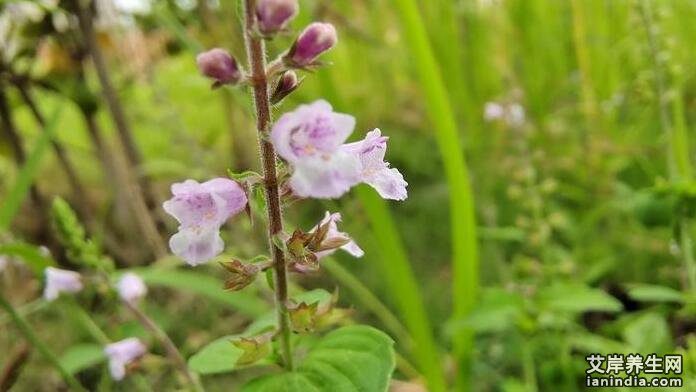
218,65
121,354
287,83
274,15
316,39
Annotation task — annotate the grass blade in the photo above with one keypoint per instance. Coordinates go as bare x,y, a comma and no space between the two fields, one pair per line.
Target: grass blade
462,213
27,174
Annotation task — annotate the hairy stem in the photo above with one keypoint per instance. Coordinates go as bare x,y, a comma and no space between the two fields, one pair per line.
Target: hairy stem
40,346
172,352
257,64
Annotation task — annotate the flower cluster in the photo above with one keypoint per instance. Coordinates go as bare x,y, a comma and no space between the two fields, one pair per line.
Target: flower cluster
311,139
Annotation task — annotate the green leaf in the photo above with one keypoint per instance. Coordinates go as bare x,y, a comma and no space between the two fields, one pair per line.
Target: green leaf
578,298
30,254
349,359
320,296
81,357
654,293
220,356
497,312
648,333
244,301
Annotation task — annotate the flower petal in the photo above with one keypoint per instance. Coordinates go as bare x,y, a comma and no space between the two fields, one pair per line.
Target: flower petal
196,246
389,183
325,177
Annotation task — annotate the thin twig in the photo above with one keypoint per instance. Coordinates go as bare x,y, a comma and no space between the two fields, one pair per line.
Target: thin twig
169,346
257,64
79,191
124,132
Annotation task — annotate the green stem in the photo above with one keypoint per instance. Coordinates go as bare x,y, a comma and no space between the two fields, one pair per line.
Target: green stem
462,212
678,150
29,334
169,346
368,300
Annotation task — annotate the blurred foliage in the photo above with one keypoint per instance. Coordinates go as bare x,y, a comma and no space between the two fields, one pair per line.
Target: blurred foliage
579,215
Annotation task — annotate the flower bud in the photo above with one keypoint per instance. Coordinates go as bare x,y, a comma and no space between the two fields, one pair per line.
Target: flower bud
316,39
274,15
287,83
218,65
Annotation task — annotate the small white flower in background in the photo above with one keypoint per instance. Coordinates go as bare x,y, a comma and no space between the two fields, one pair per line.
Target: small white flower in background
131,288
515,115
493,111
58,281
121,354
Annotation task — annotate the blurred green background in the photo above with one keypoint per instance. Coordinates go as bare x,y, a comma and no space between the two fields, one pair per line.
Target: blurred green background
573,118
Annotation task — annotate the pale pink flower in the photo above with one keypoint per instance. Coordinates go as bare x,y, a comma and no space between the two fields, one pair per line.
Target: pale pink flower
122,353
351,247
131,288
201,208
374,171
310,139
60,281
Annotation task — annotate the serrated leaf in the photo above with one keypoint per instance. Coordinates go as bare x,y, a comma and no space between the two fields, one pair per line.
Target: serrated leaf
654,293
578,298
349,359
82,356
220,356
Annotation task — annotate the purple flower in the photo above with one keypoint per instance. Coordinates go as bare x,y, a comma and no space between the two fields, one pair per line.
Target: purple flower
121,354
274,15
201,209
310,139
59,281
374,171
333,234
218,65
131,288
314,40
